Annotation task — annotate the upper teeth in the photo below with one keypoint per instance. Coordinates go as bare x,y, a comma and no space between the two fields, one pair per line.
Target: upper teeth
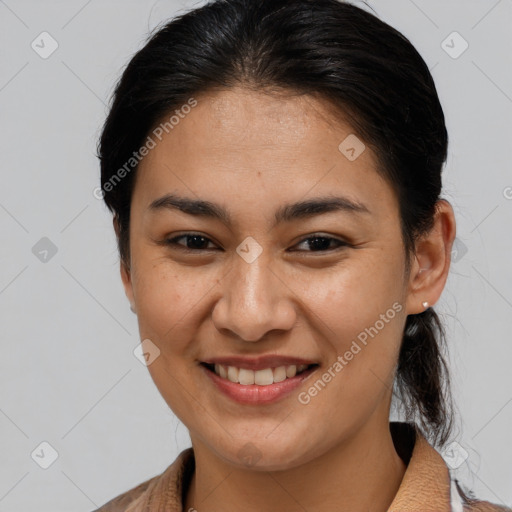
260,377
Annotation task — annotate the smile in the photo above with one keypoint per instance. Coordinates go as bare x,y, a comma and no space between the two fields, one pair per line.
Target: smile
257,387
264,377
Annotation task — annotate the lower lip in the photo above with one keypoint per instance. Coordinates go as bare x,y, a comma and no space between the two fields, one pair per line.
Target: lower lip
254,393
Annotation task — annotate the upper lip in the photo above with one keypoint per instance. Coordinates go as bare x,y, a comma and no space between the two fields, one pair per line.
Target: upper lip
258,363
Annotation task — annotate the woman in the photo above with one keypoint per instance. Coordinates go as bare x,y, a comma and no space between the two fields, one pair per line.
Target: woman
274,171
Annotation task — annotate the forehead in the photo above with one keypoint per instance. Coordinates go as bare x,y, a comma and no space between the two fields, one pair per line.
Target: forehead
289,116
260,120
237,140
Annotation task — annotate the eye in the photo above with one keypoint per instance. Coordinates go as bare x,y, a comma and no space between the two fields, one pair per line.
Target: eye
320,243
197,242
193,242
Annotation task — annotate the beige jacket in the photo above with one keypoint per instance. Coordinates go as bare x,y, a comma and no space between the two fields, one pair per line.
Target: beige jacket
426,485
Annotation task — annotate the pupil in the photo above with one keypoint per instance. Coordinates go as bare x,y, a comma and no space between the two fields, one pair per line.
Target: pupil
198,242
315,244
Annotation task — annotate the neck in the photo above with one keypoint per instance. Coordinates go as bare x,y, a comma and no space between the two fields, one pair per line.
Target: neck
362,473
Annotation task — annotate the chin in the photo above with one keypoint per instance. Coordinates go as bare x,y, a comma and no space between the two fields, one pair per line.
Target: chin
264,454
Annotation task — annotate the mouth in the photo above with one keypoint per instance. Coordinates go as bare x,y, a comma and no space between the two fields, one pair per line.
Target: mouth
262,377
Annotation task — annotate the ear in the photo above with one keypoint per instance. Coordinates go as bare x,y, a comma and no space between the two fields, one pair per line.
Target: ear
431,263
126,277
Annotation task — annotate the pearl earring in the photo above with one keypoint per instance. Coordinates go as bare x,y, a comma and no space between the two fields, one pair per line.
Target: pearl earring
425,304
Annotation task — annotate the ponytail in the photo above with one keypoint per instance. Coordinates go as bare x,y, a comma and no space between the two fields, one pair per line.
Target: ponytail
422,381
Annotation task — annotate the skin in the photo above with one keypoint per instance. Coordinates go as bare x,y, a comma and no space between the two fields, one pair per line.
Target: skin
251,153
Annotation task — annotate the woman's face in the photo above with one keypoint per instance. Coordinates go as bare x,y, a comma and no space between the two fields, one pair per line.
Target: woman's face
255,282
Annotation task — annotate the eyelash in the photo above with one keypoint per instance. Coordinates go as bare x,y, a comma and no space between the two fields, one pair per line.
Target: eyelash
173,242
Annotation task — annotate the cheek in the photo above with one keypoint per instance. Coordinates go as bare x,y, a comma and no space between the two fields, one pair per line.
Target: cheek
169,303
360,326
353,296
361,315
169,311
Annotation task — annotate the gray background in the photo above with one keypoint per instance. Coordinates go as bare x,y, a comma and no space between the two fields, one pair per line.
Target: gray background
68,373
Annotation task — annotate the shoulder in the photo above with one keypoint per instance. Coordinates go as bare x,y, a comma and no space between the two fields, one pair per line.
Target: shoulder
167,486
119,503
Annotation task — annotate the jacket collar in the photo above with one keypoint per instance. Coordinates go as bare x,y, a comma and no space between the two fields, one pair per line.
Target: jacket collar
427,478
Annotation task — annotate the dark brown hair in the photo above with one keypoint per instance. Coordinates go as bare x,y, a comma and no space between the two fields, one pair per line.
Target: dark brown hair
330,49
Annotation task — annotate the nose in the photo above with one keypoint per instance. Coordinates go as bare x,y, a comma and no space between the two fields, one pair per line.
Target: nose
254,301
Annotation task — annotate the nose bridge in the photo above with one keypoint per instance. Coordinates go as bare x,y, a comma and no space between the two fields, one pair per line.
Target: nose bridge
252,286
253,300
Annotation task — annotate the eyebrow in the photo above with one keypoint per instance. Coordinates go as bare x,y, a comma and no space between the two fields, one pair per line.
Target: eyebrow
287,213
